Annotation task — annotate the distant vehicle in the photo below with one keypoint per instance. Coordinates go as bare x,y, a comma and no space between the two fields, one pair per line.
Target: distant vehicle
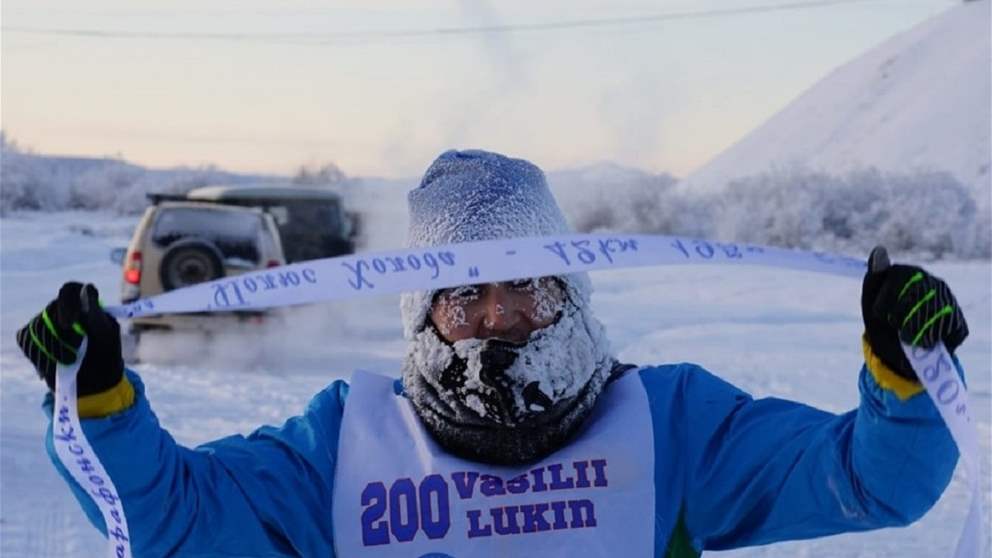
312,223
181,243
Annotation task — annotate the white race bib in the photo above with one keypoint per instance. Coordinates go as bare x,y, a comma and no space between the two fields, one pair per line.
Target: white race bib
397,493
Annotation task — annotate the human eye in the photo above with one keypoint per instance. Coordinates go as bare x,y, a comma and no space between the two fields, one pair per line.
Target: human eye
464,292
522,284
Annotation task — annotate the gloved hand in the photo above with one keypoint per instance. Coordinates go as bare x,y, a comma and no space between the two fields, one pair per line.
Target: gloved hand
905,303
56,333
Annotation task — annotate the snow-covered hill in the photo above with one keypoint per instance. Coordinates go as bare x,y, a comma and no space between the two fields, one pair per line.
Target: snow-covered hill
919,101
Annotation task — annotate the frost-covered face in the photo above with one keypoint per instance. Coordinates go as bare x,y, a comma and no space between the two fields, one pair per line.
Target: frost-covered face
509,311
504,373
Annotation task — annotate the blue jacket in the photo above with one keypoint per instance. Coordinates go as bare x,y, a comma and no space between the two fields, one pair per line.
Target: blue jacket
736,470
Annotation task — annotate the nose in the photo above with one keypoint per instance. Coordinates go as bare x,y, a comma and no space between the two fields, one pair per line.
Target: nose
500,317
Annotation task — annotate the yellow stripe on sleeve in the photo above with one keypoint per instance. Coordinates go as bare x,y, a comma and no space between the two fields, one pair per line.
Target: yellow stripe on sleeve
107,402
886,378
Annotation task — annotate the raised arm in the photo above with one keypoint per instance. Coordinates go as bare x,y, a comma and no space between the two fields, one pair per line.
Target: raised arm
268,494
760,471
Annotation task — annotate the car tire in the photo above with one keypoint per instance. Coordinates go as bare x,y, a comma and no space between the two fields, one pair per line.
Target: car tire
188,262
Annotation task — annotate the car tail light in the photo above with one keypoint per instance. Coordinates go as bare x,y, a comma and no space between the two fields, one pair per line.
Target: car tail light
273,263
132,269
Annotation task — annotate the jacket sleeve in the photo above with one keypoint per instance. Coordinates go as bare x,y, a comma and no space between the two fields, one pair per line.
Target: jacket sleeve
767,470
268,494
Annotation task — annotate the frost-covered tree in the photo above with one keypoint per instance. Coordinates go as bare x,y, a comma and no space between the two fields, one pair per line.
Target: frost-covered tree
930,214
927,214
328,174
45,183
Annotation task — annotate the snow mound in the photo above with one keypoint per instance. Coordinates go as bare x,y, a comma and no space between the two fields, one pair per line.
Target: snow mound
918,102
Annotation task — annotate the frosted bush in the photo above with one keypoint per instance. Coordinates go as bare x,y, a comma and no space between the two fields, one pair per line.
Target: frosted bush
607,197
928,214
44,183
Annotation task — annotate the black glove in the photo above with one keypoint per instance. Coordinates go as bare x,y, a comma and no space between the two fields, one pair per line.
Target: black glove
56,333
904,302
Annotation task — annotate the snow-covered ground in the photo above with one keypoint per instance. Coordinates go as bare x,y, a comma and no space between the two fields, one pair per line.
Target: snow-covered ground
772,332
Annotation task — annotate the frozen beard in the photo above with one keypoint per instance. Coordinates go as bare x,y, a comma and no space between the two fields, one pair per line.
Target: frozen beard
506,403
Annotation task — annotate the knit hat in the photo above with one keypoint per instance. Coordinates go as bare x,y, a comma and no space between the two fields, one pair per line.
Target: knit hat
478,195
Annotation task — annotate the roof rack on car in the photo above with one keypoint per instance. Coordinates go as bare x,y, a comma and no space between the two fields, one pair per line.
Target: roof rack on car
158,197
274,194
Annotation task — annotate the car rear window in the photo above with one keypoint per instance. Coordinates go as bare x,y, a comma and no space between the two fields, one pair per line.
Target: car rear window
314,230
236,234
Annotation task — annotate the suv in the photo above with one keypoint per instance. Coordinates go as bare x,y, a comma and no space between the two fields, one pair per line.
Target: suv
179,243
312,222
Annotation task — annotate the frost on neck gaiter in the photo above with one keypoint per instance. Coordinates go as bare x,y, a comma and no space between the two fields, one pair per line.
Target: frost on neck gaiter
560,359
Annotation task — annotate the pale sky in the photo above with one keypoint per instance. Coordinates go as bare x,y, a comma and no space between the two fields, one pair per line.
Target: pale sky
266,86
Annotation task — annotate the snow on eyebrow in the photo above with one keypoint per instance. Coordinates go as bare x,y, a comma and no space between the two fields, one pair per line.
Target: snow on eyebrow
548,297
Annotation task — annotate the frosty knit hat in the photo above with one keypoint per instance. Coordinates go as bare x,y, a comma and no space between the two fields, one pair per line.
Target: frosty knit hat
478,195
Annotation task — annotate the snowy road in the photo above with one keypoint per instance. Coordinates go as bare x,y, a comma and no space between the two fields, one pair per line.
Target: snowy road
773,333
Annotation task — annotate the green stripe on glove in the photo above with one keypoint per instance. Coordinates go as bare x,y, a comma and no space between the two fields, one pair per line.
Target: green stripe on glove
53,336
905,304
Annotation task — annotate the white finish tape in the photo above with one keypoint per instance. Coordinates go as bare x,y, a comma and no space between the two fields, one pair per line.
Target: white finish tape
77,455
945,387
468,263
487,262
